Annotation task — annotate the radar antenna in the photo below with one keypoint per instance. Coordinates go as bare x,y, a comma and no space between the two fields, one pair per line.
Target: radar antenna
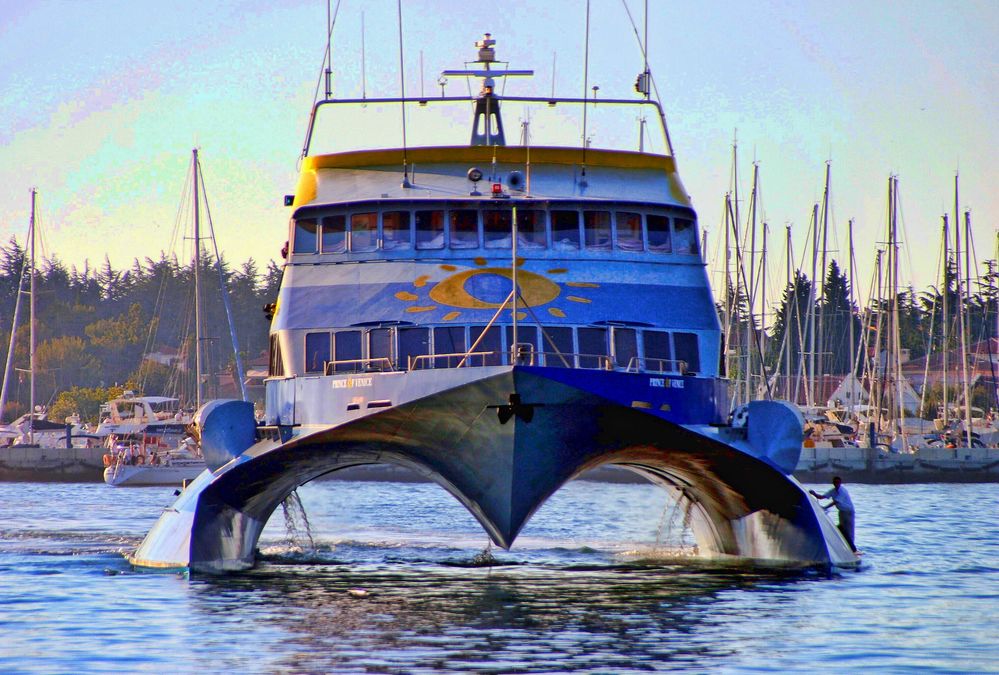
487,125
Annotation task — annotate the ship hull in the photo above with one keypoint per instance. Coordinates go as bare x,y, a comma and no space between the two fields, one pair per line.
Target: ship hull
502,442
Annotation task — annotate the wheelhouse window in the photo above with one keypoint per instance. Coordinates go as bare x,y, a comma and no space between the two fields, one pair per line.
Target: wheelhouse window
556,343
523,350
347,347
317,352
657,228
276,364
531,229
379,347
363,231
334,234
685,234
625,346
490,343
464,228
629,231
497,228
429,229
592,346
686,350
396,231
597,230
655,345
306,230
565,230
449,340
413,342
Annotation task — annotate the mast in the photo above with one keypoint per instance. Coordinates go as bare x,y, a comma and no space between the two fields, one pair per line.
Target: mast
896,334
763,304
822,277
946,318
853,346
16,323
31,324
966,327
812,299
787,319
197,287
751,285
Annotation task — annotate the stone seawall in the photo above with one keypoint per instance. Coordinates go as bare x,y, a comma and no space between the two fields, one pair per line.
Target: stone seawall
52,465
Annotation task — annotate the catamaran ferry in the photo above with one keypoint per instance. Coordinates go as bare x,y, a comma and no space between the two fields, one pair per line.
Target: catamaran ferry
499,318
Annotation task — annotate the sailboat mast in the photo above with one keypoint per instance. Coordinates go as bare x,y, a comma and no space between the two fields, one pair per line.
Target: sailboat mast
946,318
812,299
789,309
822,277
197,287
849,314
751,286
31,323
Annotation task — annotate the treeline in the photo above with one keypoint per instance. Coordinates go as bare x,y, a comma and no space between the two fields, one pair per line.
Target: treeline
93,326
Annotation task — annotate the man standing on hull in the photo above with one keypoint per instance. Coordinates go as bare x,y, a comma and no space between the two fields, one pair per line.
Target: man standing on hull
841,499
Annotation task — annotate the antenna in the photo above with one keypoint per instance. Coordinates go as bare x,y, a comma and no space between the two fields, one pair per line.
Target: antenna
364,68
329,63
554,58
402,103
421,74
586,84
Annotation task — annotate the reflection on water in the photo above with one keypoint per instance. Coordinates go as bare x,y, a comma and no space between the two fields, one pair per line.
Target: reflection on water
514,618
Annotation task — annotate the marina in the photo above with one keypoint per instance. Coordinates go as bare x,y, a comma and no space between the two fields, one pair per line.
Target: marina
568,342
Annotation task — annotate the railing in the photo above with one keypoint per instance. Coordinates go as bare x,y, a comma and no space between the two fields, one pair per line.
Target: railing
376,365
646,365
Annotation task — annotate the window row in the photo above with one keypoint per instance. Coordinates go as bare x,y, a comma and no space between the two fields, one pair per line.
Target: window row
413,347
492,228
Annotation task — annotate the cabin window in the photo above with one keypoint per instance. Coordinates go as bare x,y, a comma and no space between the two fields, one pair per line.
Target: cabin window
592,346
347,347
497,228
276,363
490,342
334,236
655,345
413,342
629,231
531,229
396,232
657,227
363,231
565,230
379,347
597,230
449,340
317,352
686,350
464,228
527,338
429,229
686,235
556,343
625,346
305,236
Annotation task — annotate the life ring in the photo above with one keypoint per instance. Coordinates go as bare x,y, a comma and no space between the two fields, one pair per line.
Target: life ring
107,460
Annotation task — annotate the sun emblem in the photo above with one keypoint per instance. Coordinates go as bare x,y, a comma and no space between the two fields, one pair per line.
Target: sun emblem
485,287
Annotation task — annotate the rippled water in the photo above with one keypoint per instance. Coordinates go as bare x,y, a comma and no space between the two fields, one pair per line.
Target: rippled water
398,582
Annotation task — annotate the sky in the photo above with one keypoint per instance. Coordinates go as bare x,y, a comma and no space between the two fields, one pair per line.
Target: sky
102,101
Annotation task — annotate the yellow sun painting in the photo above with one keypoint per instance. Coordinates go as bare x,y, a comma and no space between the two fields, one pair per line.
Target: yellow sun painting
485,287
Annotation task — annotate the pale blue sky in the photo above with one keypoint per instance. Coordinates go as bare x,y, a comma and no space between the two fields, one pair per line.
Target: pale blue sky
101,103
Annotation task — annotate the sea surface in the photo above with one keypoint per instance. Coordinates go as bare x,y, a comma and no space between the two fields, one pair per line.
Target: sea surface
398,578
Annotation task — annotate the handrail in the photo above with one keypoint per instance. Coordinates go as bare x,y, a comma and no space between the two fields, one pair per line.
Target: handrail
516,355
638,365
383,363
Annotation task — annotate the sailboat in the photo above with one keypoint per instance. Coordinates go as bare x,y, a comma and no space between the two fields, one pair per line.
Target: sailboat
157,444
